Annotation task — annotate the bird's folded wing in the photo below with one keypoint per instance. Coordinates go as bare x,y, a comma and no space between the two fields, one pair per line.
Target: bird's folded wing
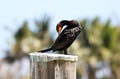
65,39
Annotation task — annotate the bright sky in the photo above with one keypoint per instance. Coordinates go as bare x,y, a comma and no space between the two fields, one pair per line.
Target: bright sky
14,12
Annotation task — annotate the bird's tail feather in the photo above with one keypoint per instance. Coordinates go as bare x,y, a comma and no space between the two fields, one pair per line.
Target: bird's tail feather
46,50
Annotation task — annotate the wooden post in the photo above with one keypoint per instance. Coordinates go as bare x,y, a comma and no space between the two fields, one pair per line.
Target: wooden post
52,66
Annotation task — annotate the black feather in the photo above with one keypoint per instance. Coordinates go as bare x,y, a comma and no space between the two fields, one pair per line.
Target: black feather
46,50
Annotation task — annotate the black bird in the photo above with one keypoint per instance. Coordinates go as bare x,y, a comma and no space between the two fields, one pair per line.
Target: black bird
66,35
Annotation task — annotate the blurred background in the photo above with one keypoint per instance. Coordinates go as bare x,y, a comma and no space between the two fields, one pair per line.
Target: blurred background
29,26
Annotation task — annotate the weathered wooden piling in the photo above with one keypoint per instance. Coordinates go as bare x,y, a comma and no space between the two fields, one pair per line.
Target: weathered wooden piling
52,66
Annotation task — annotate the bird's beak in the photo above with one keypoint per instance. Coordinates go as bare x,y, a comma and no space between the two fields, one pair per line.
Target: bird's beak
59,28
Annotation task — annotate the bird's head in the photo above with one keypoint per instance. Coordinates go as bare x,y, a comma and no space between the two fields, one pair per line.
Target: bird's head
71,23
61,24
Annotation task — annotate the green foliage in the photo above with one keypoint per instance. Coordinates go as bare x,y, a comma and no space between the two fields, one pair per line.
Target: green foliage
109,36
42,27
95,22
28,41
84,36
23,32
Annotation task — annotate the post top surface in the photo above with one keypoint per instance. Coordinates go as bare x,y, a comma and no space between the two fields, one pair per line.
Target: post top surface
46,57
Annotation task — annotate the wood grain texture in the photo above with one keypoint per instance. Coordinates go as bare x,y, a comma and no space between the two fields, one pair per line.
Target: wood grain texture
57,67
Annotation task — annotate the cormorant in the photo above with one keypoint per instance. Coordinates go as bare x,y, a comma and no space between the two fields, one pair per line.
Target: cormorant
66,35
